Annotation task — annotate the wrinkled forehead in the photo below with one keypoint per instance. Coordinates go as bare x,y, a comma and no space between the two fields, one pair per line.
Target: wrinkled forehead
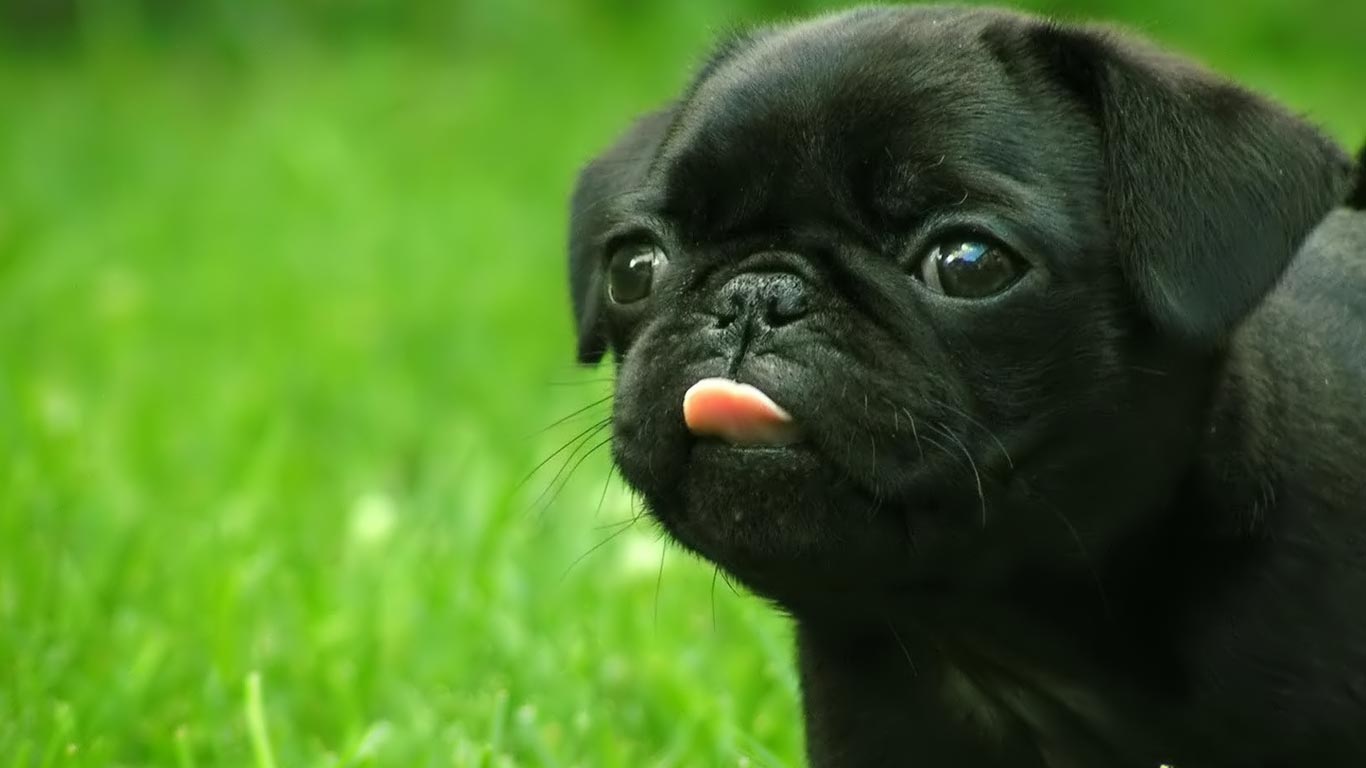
883,113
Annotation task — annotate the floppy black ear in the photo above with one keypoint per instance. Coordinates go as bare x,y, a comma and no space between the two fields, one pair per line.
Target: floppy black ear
619,170
1210,189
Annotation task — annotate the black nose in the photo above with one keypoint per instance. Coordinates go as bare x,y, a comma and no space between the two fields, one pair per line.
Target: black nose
764,299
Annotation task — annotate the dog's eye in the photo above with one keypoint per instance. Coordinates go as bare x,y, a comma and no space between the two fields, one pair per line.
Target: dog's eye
970,270
631,273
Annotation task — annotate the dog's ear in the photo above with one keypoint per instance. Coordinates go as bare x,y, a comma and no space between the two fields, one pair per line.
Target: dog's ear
1210,189
617,171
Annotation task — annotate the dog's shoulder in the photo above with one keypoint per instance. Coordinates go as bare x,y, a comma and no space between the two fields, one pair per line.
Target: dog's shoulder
1295,393
1329,273
1310,333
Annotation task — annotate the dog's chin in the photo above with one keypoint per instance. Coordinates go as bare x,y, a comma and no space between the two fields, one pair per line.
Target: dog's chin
783,519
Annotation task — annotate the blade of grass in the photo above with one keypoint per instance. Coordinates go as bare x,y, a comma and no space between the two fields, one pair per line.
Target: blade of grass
256,723
184,754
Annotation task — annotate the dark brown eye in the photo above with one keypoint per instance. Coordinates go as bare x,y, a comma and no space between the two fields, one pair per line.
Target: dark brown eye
631,272
970,270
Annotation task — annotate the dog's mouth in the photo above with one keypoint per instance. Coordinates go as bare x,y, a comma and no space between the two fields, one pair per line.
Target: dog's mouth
760,476
757,488
739,416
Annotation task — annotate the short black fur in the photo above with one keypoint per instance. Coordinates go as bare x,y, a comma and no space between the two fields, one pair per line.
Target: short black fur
1114,515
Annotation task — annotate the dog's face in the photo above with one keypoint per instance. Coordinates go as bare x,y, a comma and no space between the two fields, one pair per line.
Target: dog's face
984,264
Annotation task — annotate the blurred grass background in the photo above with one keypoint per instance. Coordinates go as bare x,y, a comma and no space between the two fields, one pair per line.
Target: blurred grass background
282,323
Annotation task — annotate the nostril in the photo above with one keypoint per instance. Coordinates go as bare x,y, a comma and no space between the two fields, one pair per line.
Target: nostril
785,307
773,315
725,314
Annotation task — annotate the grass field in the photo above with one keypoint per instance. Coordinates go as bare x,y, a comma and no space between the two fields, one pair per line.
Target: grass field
282,326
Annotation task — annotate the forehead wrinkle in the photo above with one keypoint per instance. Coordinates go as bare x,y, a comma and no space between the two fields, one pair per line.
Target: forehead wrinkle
738,70
792,63
809,106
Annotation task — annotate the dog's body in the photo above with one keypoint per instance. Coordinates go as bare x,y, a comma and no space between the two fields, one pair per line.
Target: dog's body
1089,490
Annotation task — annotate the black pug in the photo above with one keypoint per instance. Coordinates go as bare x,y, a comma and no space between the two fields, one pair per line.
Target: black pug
1024,365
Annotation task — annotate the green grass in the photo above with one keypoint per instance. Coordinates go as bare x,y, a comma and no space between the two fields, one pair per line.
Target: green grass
280,327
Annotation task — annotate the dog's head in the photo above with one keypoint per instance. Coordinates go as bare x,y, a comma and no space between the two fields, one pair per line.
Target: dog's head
975,268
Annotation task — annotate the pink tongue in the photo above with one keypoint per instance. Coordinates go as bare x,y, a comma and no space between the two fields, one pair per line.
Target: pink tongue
737,413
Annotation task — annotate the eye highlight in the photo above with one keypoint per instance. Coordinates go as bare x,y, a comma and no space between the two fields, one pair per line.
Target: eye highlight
969,269
631,272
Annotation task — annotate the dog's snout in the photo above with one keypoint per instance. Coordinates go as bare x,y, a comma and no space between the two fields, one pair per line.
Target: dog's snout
766,299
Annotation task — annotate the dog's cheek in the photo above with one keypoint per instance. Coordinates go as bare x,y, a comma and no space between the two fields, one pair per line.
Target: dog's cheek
649,442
